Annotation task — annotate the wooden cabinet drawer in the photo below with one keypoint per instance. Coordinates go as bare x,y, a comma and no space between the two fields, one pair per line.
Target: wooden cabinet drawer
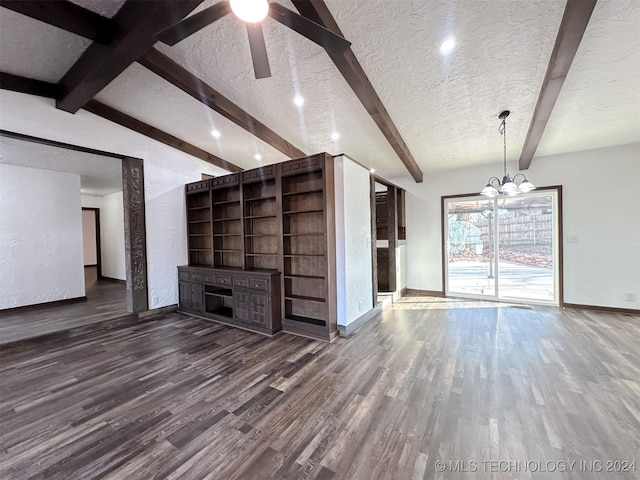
209,278
183,275
241,281
223,279
195,277
259,283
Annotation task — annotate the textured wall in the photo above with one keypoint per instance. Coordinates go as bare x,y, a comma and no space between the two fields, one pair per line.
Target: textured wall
353,243
40,236
112,237
601,199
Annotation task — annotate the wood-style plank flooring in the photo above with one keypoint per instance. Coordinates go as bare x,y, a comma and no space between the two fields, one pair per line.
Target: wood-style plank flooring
105,301
428,380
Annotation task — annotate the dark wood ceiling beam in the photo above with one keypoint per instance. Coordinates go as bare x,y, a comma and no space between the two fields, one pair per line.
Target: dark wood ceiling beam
354,74
136,125
138,23
50,90
166,68
572,27
30,86
67,16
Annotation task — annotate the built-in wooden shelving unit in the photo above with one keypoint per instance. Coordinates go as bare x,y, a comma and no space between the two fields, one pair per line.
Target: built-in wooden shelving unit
279,219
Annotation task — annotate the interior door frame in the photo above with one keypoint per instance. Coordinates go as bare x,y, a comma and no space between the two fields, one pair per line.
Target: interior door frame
560,245
96,213
135,229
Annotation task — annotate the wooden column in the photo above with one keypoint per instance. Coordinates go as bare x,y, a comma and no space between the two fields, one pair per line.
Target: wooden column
374,237
393,236
135,240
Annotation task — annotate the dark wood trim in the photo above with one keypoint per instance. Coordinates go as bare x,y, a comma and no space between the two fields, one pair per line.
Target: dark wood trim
67,16
558,189
136,125
392,216
175,74
16,83
54,303
135,241
96,212
54,143
598,308
414,292
572,27
374,240
330,225
138,23
354,74
443,244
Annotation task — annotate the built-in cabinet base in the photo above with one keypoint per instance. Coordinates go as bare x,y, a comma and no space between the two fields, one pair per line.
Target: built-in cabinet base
248,299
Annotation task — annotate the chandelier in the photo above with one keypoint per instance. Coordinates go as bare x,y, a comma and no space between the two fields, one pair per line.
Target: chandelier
508,186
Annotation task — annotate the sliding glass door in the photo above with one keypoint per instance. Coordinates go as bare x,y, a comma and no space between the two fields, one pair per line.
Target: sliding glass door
502,248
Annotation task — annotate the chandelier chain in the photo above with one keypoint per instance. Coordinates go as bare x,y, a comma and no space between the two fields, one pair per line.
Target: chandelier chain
503,130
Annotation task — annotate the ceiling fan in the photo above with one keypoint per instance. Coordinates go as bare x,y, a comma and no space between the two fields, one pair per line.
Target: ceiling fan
252,12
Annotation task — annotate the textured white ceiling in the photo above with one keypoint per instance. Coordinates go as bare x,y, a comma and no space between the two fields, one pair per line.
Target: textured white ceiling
599,104
444,107
99,175
34,49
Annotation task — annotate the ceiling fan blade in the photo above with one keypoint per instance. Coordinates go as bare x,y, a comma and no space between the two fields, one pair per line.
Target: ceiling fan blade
316,33
258,50
192,24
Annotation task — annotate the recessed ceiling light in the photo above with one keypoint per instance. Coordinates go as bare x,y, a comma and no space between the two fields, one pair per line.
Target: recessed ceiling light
335,136
215,134
447,46
298,100
372,170
257,156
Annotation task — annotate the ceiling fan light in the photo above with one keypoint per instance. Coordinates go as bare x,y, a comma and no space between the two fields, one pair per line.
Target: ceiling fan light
251,11
526,186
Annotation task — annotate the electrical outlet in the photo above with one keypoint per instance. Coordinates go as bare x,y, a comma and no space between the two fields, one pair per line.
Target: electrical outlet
573,239
629,297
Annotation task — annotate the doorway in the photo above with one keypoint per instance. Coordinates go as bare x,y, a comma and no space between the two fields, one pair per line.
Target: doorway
91,246
503,248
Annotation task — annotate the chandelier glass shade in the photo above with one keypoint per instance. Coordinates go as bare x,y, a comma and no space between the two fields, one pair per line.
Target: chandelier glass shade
508,186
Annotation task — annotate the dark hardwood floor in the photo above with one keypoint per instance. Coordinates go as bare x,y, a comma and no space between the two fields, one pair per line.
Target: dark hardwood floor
428,380
106,300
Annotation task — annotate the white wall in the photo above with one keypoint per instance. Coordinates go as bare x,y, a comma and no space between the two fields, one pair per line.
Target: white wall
601,205
401,266
89,238
40,236
166,170
353,242
112,237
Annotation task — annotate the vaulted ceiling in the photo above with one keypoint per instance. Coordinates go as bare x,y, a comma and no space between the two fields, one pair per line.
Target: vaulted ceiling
445,107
